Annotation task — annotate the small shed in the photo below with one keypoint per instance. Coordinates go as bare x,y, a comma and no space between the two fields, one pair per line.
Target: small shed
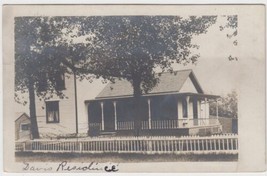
23,127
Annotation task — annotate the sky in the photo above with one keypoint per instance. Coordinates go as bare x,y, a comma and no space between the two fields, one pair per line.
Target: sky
214,71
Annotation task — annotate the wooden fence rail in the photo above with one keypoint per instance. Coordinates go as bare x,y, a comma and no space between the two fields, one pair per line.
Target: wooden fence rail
187,144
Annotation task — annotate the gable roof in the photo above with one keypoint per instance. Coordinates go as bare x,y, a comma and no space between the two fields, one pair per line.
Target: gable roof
23,114
167,83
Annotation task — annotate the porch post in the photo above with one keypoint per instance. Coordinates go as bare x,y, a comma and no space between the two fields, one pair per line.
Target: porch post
199,109
187,106
102,116
205,108
149,114
115,114
87,113
177,109
217,109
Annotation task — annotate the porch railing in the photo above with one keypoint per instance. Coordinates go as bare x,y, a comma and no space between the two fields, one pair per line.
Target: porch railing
170,124
163,124
95,126
125,125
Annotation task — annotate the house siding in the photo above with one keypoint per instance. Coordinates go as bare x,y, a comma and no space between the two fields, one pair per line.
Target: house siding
188,86
67,119
190,112
180,109
66,123
204,108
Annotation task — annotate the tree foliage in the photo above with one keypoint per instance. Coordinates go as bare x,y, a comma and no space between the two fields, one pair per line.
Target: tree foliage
132,47
42,53
32,65
33,61
232,24
227,106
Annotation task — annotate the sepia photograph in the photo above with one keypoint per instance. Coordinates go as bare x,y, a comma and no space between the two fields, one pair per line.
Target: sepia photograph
104,90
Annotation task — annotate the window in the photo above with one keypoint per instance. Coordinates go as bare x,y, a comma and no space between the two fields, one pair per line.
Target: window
24,127
52,111
42,83
60,81
184,108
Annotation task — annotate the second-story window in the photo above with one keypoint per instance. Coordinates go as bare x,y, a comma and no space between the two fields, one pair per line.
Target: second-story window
42,83
60,81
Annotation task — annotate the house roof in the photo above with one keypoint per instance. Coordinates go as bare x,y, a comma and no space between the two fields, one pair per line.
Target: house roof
23,114
168,83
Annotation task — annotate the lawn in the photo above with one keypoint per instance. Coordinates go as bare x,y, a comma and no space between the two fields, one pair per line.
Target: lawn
125,158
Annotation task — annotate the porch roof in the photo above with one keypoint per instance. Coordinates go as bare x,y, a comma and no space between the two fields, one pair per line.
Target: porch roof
195,95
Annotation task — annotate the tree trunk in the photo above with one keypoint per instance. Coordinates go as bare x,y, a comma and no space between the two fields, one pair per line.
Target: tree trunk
137,105
34,126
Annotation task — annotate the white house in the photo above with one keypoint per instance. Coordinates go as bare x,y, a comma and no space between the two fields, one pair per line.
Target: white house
176,106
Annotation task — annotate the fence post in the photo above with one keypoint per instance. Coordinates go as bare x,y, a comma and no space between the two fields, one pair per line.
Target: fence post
227,144
24,146
81,147
215,143
149,114
149,146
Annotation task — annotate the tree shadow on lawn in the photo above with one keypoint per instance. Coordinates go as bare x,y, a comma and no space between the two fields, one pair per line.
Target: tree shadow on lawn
122,157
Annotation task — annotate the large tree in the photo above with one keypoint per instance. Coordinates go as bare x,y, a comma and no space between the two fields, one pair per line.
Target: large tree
32,66
133,47
44,49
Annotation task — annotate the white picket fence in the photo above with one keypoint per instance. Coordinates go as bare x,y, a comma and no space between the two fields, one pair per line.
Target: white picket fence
227,143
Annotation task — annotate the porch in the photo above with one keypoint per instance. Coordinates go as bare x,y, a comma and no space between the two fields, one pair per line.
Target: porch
176,113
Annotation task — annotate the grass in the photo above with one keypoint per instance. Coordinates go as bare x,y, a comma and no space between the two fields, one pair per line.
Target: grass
125,158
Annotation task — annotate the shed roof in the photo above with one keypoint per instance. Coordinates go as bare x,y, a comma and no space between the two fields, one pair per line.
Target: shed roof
168,82
23,114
